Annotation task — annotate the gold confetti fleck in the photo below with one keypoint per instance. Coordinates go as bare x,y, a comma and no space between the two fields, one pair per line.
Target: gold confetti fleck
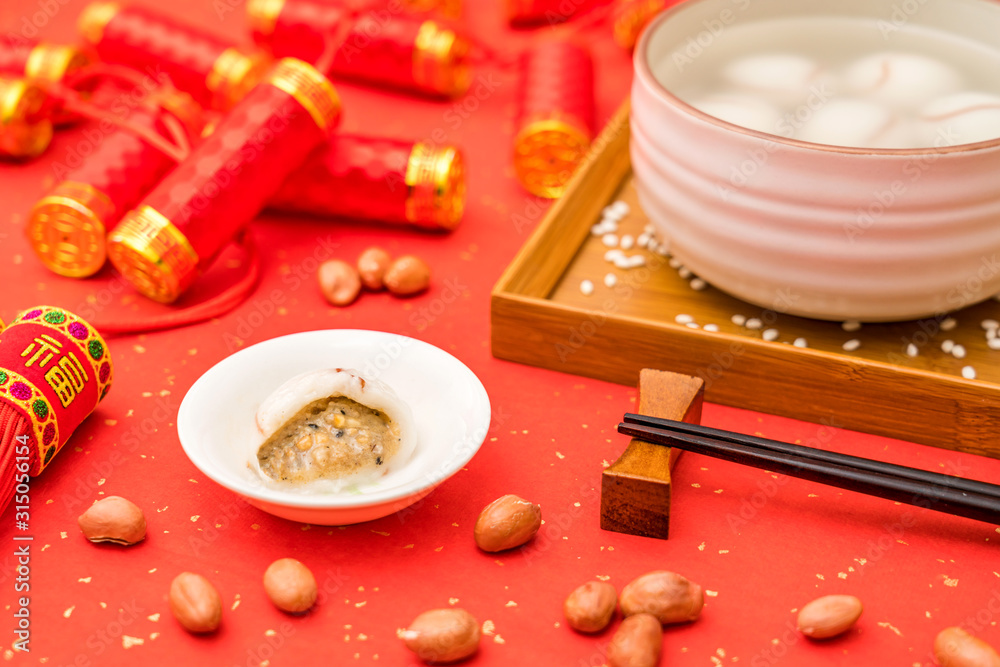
886,624
821,577
603,577
950,582
605,464
408,546
842,575
498,639
489,627
147,394
104,605
382,533
195,517
499,562
193,351
236,602
557,624
68,612
193,481
359,605
701,547
347,638
164,392
723,551
362,637
62,534
163,510
576,504
696,485
455,524
712,594
511,603
269,633
45,547
927,614
129,642
560,455
254,526
153,635
152,571
110,422
439,548
139,349
452,601
154,617
85,580
361,589
101,481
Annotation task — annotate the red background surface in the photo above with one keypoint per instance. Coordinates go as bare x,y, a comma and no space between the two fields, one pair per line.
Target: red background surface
917,571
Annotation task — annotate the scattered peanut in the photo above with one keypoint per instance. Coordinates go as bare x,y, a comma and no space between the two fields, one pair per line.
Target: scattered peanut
339,282
829,616
954,647
443,635
637,643
113,519
195,603
290,585
372,265
666,595
507,522
407,275
590,607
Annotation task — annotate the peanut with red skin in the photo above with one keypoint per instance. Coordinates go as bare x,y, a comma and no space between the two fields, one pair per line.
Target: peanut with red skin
407,275
195,603
954,647
666,595
506,523
590,607
829,616
637,643
113,519
372,265
339,282
290,585
443,635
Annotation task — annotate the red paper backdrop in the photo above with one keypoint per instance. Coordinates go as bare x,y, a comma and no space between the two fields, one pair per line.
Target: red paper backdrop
761,546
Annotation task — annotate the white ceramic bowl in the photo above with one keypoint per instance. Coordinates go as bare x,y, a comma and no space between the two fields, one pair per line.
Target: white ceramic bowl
450,407
820,231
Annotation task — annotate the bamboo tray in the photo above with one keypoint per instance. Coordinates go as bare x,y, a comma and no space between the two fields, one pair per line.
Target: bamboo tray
539,316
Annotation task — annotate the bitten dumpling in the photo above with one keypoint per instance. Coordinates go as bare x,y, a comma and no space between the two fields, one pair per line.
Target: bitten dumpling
332,429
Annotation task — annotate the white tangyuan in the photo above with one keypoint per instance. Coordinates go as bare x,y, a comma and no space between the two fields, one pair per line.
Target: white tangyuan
783,77
903,81
858,123
963,118
741,110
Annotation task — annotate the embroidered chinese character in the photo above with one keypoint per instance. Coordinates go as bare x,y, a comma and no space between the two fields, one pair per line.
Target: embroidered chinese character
48,347
67,378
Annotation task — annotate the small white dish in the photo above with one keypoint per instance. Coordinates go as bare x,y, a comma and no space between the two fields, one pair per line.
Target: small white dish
450,407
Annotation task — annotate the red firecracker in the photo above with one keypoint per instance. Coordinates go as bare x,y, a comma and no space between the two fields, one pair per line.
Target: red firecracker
215,72
556,116
383,180
183,224
68,226
376,46
530,12
54,370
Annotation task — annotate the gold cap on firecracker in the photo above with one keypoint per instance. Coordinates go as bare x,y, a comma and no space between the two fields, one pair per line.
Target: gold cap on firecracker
67,228
52,62
546,153
234,73
25,130
310,89
153,255
262,17
631,16
440,60
435,178
94,18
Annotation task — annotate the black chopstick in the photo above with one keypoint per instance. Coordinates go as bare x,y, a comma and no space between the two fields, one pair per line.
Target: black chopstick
880,467
922,494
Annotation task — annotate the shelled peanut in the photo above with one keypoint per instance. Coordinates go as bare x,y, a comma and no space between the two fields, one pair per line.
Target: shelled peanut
954,647
590,607
290,585
195,603
506,523
443,635
829,616
668,596
113,519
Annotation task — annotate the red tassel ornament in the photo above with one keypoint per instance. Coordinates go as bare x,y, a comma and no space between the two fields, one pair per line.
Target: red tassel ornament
556,116
216,73
54,370
182,225
384,180
377,47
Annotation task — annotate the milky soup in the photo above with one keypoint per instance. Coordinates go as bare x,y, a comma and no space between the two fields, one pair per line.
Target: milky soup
840,81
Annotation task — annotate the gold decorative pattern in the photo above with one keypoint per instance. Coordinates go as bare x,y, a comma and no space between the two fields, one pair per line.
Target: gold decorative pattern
233,75
309,88
435,178
94,19
67,229
52,62
440,60
153,255
262,16
24,132
547,152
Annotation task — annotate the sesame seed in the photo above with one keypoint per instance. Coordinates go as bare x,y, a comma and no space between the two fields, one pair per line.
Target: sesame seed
610,280
643,240
947,345
850,325
683,318
691,325
989,324
599,230
623,262
612,213
948,324
912,350
801,342
613,254
769,334
994,343
636,260
969,373
649,228
753,323
663,250
628,242
675,263
610,240
587,287
621,208
958,352
852,345
711,327
684,272
698,284
738,320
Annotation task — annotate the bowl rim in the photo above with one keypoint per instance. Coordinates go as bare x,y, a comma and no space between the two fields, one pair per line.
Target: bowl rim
645,73
420,485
